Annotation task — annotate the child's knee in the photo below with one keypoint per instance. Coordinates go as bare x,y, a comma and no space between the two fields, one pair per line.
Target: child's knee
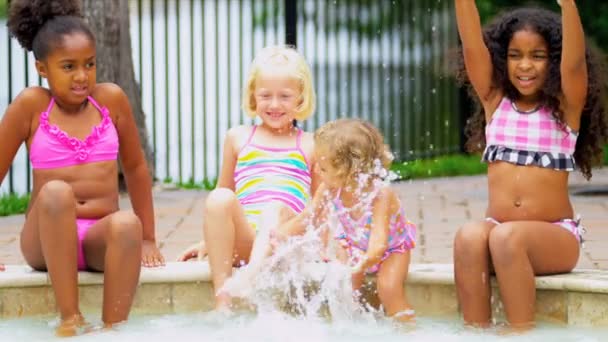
469,236
56,197
125,229
504,243
220,199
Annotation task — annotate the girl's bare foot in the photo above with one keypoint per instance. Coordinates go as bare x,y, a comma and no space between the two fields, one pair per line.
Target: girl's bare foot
408,315
71,326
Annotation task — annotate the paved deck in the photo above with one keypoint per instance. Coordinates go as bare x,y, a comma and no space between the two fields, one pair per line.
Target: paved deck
437,206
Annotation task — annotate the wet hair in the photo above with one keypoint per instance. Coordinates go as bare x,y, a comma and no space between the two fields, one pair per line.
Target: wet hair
39,25
353,146
297,67
593,131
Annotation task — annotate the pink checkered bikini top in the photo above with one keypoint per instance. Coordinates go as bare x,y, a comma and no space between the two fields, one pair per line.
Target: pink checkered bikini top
529,138
535,131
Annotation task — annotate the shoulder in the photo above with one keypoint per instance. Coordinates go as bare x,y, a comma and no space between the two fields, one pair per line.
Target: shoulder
307,143
31,100
237,136
109,95
386,198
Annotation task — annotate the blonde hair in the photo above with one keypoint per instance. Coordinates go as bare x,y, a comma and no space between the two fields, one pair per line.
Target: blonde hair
284,56
353,146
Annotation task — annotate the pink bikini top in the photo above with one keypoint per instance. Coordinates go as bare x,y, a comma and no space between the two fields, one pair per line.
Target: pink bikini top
53,148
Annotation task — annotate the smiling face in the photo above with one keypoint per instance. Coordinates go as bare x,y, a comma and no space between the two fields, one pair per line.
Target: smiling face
70,69
527,62
277,96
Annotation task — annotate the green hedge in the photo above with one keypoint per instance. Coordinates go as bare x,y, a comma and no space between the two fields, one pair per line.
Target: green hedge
444,166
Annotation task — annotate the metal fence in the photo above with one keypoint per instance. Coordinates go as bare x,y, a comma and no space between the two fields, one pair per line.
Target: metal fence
381,60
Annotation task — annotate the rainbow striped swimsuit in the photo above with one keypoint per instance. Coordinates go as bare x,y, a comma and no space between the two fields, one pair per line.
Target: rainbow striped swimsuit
265,174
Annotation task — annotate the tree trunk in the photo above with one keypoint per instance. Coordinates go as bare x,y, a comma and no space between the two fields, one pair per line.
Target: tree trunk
109,21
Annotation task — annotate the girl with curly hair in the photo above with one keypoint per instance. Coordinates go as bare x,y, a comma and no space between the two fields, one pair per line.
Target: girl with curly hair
375,234
541,115
75,130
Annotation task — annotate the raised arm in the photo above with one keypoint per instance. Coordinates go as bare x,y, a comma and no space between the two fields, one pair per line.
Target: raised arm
477,58
573,65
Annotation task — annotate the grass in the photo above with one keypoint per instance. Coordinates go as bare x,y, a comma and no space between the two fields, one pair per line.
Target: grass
444,166
3,9
11,204
206,184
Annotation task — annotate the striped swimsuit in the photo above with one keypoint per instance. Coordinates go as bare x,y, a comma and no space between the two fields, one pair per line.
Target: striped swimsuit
264,174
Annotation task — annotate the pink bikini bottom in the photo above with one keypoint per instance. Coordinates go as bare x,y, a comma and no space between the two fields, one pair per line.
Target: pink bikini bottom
82,226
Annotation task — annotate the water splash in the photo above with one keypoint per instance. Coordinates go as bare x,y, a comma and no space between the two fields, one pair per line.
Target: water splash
304,276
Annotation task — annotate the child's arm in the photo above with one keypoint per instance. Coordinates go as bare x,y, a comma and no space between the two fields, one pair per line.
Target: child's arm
477,58
573,66
14,130
229,155
137,176
378,240
314,211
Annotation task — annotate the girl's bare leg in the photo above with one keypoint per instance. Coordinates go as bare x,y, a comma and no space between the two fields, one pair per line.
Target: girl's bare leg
49,242
230,238
522,249
472,268
113,245
391,286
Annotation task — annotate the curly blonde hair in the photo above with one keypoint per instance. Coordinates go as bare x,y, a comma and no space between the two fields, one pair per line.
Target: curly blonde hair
353,146
285,57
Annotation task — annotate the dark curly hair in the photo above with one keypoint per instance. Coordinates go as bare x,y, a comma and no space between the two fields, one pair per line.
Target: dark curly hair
39,25
593,131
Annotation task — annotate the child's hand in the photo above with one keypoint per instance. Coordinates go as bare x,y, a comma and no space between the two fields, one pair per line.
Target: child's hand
359,267
2,267
197,251
150,255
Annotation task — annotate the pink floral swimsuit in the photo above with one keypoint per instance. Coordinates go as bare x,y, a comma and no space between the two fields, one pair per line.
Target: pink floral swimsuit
354,234
53,148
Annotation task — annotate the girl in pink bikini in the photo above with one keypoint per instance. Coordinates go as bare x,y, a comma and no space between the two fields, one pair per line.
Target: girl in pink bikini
539,91
75,131
367,217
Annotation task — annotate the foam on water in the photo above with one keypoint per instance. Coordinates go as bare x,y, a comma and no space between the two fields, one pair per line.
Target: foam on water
280,327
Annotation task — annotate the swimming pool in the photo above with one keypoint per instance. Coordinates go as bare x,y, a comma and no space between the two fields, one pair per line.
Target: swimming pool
282,327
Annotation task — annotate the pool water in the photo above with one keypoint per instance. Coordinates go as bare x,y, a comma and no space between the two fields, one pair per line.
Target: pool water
282,327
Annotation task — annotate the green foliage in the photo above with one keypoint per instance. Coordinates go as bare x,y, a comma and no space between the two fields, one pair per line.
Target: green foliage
594,22
3,8
206,184
445,166
12,204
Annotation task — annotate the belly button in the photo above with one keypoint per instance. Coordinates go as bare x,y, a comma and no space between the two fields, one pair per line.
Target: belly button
81,202
518,203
